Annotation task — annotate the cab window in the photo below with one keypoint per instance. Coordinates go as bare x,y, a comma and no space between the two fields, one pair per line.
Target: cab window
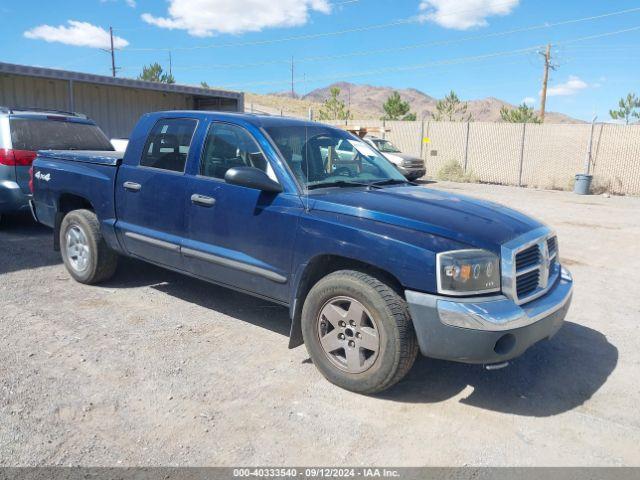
167,147
228,146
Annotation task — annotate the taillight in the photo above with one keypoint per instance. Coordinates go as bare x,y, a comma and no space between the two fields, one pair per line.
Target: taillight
31,180
16,158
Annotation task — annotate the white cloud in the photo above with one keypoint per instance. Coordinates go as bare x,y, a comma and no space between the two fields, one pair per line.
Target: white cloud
463,14
203,18
130,3
79,34
530,101
570,87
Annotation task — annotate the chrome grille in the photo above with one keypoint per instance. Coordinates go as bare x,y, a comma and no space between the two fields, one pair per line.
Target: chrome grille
413,163
552,245
529,265
527,283
528,257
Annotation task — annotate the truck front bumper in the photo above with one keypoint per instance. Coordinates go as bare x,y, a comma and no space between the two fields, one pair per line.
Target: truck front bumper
490,329
412,173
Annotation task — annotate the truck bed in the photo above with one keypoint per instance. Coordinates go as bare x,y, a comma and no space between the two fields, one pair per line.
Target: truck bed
62,177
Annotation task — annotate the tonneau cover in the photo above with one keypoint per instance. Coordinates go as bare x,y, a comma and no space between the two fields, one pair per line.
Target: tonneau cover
87,156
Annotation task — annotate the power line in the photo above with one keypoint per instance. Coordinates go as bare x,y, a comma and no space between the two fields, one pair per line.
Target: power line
404,68
312,36
454,61
361,53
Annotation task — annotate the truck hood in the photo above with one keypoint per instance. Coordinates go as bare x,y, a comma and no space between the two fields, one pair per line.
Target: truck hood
473,222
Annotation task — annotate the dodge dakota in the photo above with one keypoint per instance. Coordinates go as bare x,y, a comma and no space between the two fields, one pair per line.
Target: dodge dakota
372,268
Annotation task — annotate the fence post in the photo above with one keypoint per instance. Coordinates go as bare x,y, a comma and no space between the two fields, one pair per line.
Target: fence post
524,131
421,136
310,114
466,147
384,124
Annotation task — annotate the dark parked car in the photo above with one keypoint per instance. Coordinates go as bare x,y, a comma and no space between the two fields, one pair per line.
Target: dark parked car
23,132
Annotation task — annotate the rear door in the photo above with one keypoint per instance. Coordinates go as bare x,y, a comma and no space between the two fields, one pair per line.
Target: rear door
150,193
30,133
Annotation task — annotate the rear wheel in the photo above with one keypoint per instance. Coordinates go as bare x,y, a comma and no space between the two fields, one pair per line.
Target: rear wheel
85,253
358,332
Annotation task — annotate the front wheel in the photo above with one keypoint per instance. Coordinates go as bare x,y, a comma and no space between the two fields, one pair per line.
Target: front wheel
358,332
86,255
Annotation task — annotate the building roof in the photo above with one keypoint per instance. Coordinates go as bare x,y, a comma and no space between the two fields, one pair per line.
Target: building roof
25,70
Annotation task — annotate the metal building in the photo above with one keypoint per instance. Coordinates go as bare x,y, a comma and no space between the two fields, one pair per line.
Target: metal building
113,103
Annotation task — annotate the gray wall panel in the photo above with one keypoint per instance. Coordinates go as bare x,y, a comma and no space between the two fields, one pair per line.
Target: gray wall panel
115,108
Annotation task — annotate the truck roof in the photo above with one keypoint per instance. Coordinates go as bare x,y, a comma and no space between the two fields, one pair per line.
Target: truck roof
254,119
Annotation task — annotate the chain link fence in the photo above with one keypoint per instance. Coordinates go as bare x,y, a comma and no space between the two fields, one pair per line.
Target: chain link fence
544,156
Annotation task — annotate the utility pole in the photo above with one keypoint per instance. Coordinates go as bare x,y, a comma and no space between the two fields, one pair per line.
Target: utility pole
545,81
293,90
170,65
113,55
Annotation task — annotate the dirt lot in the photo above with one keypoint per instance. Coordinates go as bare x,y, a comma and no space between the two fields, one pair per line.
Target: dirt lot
154,368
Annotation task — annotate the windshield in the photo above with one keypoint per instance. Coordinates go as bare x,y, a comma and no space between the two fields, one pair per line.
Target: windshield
385,146
322,156
45,134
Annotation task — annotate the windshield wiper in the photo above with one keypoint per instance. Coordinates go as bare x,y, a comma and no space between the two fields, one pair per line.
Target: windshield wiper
350,183
390,181
338,183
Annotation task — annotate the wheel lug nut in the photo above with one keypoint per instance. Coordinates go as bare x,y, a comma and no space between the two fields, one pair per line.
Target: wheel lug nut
342,324
352,343
352,323
341,336
358,335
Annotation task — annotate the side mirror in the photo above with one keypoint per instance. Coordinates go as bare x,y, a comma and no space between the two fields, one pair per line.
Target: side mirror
252,177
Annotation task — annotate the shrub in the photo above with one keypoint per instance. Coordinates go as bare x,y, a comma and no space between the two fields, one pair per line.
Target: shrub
452,171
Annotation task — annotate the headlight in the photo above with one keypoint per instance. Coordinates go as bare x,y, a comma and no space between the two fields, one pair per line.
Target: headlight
468,272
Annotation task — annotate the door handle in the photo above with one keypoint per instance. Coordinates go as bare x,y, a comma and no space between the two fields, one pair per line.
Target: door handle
202,200
132,186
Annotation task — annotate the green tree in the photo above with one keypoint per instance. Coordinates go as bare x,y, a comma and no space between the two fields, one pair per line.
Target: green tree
522,114
333,108
627,109
451,109
204,85
154,73
397,109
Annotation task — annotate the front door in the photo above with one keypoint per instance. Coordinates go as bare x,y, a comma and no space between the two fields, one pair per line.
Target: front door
238,236
150,196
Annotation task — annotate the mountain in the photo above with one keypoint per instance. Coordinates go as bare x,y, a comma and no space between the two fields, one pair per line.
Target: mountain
365,102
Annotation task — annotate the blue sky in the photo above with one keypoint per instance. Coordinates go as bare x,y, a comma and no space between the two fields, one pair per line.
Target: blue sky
431,45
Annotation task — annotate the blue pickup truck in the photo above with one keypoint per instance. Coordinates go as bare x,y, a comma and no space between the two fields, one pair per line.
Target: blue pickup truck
373,268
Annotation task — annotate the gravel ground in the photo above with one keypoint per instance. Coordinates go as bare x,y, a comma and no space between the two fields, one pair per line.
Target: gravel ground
154,368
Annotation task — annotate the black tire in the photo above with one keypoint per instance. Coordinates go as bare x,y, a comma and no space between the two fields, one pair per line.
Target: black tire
398,347
101,262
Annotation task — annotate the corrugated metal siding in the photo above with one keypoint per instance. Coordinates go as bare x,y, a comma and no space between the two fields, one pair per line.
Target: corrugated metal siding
115,109
17,91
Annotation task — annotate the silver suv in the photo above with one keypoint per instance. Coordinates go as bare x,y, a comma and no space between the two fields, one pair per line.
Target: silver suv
25,131
410,166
